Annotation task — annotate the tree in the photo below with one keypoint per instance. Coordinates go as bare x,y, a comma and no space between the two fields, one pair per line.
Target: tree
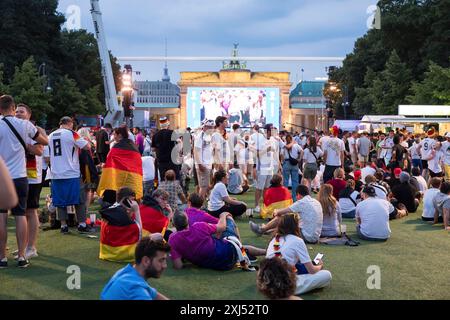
391,87
434,89
29,88
93,102
28,27
364,101
67,100
3,86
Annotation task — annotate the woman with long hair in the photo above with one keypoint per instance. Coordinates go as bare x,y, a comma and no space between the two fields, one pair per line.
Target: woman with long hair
311,155
219,199
332,216
288,245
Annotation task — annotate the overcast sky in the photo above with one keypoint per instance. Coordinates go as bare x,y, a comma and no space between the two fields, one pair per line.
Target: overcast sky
210,27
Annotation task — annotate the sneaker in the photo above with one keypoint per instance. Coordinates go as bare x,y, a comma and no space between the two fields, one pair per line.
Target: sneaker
31,253
4,263
65,230
85,229
257,210
22,262
256,228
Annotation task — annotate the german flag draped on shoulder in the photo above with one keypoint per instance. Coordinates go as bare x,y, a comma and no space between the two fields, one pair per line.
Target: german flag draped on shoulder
123,168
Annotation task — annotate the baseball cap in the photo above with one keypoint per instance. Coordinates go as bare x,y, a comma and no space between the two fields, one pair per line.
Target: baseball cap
397,171
447,135
404,177
164,121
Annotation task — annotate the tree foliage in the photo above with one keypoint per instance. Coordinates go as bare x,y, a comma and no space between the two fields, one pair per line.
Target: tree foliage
418,31
31,28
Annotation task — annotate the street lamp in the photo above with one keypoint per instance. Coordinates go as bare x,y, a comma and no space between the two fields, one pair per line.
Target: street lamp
345,104
46,86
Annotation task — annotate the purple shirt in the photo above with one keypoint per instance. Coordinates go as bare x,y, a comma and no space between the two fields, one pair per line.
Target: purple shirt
195,244
197,215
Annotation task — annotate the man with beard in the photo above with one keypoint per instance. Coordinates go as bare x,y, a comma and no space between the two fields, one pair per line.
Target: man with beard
130,283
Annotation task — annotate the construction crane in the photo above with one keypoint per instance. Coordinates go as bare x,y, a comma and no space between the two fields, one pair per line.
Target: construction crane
114,112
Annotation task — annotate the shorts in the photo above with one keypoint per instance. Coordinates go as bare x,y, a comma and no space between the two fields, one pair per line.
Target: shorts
363,158
21,185
310,171
425,164
204,178
66,192
436,175
34,195
230,231
262,181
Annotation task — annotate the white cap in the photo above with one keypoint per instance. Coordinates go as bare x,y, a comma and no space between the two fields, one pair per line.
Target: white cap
209,123
447,135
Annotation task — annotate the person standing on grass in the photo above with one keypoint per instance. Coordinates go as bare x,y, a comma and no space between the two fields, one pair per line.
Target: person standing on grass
67,186
333,154
34,172
102,138
130,283
311,155
14,133
203,157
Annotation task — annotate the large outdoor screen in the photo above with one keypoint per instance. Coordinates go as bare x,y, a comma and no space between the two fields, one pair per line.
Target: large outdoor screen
246,106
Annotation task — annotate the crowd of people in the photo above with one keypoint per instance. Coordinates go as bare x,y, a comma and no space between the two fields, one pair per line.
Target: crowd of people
150,210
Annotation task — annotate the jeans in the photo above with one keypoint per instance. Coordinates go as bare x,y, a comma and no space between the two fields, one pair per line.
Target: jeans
291,171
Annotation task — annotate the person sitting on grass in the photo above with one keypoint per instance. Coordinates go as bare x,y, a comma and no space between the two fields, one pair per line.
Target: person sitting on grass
380,190
338,182
442,205
173,188
348,200
372,216
276,280
204,245
420,184
130,283
276,196
311,217
406,194
237,184
195,214
332,216
156,213
288,245
428,200
219,199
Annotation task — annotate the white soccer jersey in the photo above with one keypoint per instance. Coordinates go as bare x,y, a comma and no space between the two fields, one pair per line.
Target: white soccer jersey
64,150
427,145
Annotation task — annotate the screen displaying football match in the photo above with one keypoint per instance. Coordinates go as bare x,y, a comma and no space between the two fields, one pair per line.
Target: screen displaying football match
246,106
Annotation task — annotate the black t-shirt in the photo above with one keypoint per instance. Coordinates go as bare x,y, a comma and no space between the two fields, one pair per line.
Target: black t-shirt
405,193
398,152
162,142
101,138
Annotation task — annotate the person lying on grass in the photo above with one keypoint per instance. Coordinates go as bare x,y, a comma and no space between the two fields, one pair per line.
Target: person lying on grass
130,283
204,244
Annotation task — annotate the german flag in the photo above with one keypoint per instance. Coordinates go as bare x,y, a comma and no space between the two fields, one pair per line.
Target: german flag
118,243
123,168
153,220
275,198
119,234
31,167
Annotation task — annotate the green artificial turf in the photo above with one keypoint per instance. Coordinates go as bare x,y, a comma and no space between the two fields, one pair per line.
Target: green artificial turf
414,264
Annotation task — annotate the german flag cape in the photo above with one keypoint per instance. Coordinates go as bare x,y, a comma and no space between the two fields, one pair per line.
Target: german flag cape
123,168
153,220
275,198
119,235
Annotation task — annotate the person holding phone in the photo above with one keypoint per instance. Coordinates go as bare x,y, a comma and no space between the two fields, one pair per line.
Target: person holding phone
288,245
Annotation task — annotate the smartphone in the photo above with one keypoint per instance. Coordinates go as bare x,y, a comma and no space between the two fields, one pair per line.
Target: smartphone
317,258
127,203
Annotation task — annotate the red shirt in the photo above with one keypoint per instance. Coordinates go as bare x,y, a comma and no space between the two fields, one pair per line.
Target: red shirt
338,186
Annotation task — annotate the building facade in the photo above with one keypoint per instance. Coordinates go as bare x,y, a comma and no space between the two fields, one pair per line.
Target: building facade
154,99
308,106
